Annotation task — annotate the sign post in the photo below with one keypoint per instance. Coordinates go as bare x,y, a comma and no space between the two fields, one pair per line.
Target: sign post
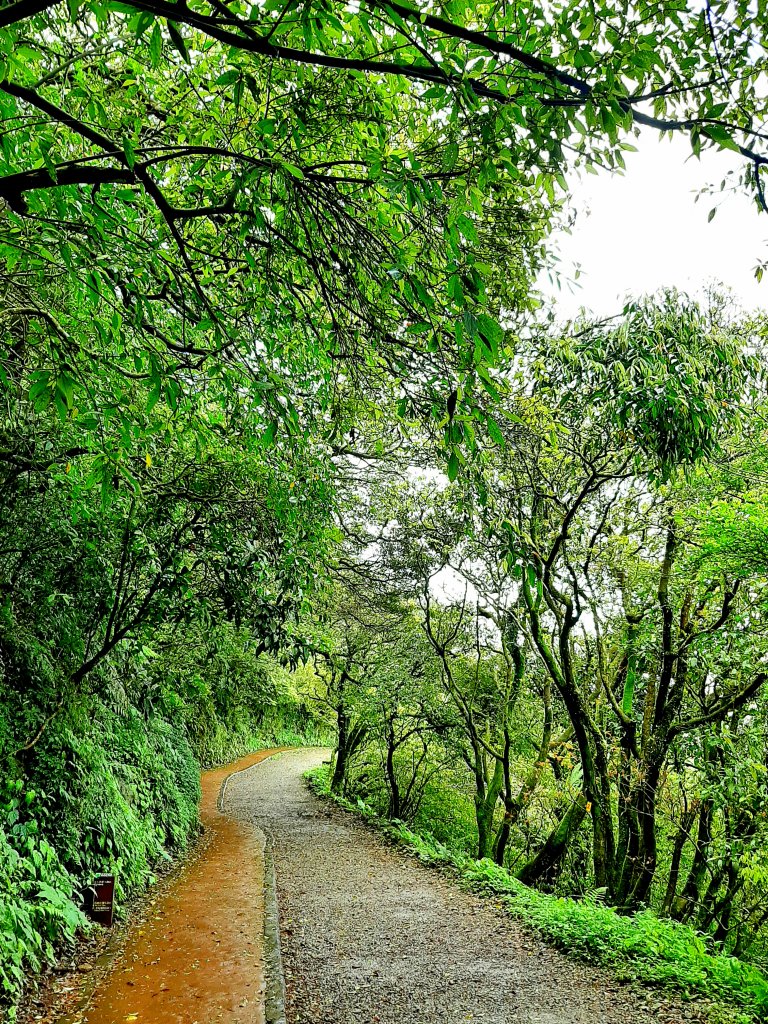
99,900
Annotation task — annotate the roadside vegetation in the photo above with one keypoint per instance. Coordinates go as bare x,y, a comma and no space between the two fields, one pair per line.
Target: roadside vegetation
634,947
556,662
569,674
289,449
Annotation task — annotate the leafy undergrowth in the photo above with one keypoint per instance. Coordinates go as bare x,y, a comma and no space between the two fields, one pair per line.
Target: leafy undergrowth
234,744
122,797
36,909
638,947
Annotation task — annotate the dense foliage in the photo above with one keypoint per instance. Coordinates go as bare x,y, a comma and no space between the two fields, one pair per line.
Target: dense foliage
285,446
139,598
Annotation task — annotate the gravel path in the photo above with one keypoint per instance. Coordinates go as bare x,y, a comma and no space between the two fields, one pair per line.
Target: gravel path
371,936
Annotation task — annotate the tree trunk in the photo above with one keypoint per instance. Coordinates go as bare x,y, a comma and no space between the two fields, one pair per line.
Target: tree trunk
597,789
486,798
513,806
394,809
724,909
510,811
640,865
748,933
681,838
685,906
340,762
557,843
628,831
349,739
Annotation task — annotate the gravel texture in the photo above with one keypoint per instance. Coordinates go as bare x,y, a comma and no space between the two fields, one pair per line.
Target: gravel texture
371,936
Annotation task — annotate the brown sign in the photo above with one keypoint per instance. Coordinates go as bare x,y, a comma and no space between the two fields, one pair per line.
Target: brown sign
99,899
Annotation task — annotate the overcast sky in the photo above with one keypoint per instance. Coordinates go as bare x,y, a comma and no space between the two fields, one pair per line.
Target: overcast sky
643,230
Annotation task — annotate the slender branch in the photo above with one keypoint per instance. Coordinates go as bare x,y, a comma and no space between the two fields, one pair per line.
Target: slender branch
721,709
39,734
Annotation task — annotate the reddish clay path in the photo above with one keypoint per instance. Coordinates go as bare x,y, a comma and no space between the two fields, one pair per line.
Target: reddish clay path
198,959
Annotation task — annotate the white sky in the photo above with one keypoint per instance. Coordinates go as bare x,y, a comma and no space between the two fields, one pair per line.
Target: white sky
642,230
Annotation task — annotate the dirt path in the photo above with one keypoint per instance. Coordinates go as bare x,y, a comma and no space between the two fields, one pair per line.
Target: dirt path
371,937
198,959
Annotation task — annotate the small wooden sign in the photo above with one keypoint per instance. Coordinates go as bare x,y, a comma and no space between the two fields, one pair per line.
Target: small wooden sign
99,900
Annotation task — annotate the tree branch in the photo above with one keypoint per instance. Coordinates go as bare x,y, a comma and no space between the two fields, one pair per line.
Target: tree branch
721,709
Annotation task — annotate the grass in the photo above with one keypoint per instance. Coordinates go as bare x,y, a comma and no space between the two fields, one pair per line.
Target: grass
639,947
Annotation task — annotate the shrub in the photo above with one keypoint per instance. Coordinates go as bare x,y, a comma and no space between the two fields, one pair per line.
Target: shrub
37,911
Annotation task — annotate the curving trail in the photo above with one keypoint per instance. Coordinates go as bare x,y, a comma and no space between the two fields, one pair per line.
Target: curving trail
370,936
198,957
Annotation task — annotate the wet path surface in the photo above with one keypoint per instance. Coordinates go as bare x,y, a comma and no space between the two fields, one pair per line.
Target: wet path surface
370,936
198,958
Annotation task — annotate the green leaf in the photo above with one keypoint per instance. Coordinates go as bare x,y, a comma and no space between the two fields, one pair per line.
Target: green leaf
719,135
178,41
155,45
490,330
154,395
130,154
450,156
494,431
292,169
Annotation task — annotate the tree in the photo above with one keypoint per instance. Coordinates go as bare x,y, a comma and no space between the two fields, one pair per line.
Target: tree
85,571
271,230
411,534
550,76
330,192
626,627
